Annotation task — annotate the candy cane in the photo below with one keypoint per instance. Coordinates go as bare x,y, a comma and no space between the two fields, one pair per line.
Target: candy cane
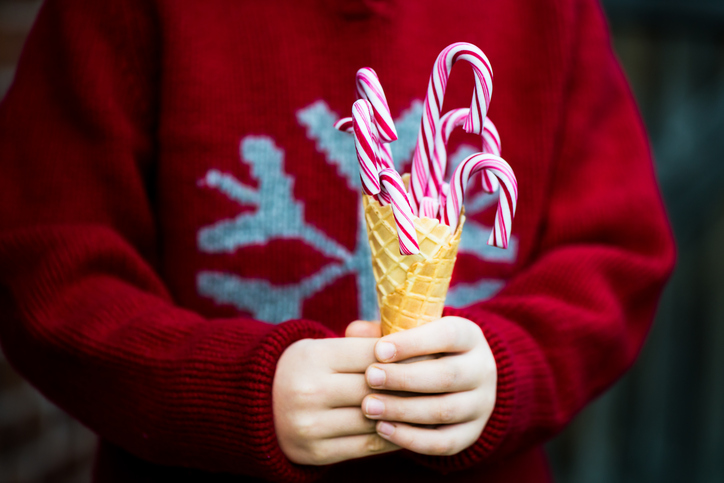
491,138
366,145
422,158
392,184
385,153
429,207
444,193
346,124
490,145
508,194
369,88
447,124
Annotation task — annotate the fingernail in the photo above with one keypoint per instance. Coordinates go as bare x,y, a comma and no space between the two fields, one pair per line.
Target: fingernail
385,428
374,407
385,351
375,377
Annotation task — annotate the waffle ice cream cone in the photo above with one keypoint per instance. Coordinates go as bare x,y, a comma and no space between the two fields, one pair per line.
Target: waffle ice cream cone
411,289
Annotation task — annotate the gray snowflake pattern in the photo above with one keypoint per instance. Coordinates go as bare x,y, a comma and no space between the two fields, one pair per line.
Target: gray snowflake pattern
279,215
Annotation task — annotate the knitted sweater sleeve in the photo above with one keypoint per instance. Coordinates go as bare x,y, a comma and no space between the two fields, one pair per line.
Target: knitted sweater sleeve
575,317
85,317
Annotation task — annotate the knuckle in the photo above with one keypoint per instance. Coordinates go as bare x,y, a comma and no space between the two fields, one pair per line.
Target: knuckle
477,333
407,440
462,332
449,377
303,426
443,447
489,372
306,390
488,401
445,413
374,444
303,347
297,455
449,334
317,455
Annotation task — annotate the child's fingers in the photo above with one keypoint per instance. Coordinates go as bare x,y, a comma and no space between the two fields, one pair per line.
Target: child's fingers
441,441
451,408
446,374
449,334
329,451
349,355
334,424
343,390
363,328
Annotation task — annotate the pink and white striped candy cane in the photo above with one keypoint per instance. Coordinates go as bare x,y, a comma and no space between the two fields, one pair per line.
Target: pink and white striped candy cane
423,156
508,194
366,145
369,88
404,218
429,207
346,124
491,138
444,193
446,126
490,145
383,197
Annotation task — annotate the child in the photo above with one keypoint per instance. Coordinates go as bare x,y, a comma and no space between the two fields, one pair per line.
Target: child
180,241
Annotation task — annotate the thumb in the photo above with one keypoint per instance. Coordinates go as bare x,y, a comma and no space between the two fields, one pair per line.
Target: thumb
363,328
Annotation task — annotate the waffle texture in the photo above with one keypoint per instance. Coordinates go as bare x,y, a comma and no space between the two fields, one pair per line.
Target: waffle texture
411,289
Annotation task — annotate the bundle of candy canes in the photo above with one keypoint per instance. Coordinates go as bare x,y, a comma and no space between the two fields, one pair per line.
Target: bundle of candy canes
430,196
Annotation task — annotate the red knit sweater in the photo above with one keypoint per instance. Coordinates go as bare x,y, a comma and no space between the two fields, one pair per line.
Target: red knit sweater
176,209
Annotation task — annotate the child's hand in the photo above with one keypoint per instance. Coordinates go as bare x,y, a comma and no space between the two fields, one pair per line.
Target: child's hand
363,328
318,389
456,392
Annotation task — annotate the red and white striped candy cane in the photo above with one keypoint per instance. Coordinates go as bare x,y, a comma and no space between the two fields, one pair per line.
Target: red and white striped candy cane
446,126
429,207
444,193
508,194
491,138
404,218
432,106
369,88
490,145
346,124
366,145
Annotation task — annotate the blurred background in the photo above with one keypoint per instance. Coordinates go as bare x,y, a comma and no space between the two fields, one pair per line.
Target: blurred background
664,421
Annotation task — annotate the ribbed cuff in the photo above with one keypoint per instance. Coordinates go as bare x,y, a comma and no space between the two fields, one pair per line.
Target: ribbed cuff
266,446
